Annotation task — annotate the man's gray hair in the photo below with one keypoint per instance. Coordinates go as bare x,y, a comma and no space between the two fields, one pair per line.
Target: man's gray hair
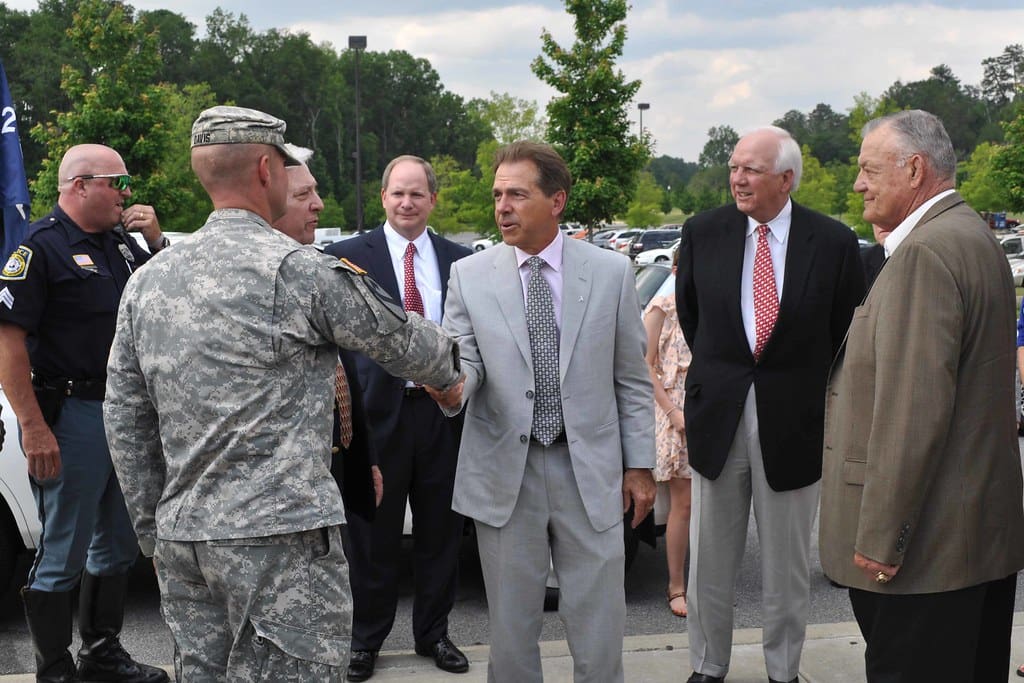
919,132
788,157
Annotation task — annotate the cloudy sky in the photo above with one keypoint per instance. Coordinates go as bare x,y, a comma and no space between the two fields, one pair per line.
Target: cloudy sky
702,62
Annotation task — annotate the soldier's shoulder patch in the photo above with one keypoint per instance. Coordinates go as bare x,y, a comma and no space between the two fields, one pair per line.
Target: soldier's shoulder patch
352,267
17,265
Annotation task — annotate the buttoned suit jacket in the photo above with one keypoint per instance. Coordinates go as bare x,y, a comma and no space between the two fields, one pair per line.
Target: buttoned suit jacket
382,392
922,465
823,283
607,397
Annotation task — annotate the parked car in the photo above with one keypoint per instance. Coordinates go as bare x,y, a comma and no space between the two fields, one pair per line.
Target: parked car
620,240
649,279
652,239
663,255
1013,246
20,528
1017,268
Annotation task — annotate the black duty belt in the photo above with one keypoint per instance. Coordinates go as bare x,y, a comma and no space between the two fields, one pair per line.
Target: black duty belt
88,389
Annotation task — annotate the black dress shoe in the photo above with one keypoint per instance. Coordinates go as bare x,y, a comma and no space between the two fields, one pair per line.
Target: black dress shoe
704,678
447,657
795,680
360,666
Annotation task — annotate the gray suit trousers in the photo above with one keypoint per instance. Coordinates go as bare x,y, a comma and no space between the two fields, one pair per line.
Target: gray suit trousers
549,520
718,533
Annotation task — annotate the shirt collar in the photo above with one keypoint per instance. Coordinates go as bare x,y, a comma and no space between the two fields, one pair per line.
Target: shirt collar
398,243
552,254
897,236
778,226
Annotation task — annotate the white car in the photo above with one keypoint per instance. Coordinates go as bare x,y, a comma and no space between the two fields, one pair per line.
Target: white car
1017,268
482,243
20,528
663,255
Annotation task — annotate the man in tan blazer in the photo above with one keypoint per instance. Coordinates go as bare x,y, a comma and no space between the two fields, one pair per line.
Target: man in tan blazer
921,512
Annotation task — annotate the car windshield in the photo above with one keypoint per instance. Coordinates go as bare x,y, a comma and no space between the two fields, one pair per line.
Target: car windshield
648,280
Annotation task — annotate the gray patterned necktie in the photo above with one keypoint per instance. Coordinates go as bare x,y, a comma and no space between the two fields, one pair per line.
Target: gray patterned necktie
540,319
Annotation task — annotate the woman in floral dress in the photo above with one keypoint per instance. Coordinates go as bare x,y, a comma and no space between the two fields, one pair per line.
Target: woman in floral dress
668,358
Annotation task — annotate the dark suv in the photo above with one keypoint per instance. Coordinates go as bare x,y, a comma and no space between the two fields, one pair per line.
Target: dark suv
652,239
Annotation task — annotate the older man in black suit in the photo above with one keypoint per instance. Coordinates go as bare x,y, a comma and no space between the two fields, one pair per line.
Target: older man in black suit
416,444
765,292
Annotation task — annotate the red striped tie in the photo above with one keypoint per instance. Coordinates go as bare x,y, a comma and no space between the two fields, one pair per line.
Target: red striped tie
766,296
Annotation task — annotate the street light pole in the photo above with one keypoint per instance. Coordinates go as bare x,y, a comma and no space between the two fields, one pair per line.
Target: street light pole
358,43
642,106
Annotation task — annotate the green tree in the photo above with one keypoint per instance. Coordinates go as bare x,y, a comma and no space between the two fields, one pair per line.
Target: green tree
588,122
817,185
1008,164
718,149
511,118
645,209
113,101
1003,79
980,186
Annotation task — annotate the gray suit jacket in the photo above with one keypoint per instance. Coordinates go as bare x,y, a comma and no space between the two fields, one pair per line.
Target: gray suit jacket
607,397
921,462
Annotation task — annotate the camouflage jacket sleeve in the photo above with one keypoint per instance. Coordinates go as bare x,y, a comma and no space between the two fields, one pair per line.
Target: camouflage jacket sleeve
352,310
130,421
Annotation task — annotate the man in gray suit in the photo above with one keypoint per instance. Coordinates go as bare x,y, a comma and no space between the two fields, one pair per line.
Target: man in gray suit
921,497
558,439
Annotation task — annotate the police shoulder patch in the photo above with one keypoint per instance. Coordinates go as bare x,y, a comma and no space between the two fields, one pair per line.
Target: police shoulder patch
17,265
352,267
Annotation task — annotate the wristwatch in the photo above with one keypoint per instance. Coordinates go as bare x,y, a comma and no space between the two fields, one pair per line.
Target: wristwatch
161,243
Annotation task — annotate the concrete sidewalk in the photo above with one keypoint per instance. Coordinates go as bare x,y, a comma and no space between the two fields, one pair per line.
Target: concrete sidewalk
833,653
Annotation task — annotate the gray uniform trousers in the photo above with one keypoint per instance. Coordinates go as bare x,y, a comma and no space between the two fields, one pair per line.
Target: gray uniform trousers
276,608
718,533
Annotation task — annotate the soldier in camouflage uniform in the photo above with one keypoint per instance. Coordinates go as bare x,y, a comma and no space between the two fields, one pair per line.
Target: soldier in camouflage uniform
218,414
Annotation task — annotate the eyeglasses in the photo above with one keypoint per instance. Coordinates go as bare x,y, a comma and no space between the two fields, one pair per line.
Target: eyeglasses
119,181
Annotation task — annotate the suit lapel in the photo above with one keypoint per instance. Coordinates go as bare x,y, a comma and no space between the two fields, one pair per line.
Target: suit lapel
444,263
507,286
576,285
799,262
379,263
731,251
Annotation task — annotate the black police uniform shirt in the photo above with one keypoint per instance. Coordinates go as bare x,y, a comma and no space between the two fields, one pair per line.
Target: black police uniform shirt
63,286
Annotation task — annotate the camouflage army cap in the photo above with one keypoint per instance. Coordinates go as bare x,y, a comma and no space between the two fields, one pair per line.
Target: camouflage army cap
223,125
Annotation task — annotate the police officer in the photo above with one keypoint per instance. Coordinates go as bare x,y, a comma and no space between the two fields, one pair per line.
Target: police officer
58,305
220,389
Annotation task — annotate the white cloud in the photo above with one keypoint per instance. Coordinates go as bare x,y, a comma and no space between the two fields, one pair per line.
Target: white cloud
702,62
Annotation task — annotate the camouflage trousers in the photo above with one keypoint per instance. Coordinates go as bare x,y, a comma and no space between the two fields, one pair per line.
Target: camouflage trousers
277,608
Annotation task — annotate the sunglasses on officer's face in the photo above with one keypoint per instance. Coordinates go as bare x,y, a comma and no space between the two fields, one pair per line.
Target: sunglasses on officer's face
118,181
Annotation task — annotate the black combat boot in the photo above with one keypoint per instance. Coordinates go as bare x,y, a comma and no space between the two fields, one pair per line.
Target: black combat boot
100,618
49,621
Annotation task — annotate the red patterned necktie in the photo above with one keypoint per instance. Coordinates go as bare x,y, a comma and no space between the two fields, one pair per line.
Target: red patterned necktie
343,401
766,297
413,302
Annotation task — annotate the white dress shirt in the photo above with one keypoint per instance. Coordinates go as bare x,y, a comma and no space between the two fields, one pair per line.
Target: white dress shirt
428,274
778,239
897,236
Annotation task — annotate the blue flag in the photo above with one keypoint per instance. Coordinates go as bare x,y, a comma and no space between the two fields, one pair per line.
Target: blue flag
14,198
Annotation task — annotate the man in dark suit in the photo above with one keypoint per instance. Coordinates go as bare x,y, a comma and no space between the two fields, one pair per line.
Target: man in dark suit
765,292
921,502
416,444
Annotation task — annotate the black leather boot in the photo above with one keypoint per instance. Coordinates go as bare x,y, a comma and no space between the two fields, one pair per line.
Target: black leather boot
49,621
100,618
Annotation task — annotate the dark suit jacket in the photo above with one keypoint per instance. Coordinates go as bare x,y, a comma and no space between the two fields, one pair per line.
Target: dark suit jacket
824,282
382,392
351,466
872,258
